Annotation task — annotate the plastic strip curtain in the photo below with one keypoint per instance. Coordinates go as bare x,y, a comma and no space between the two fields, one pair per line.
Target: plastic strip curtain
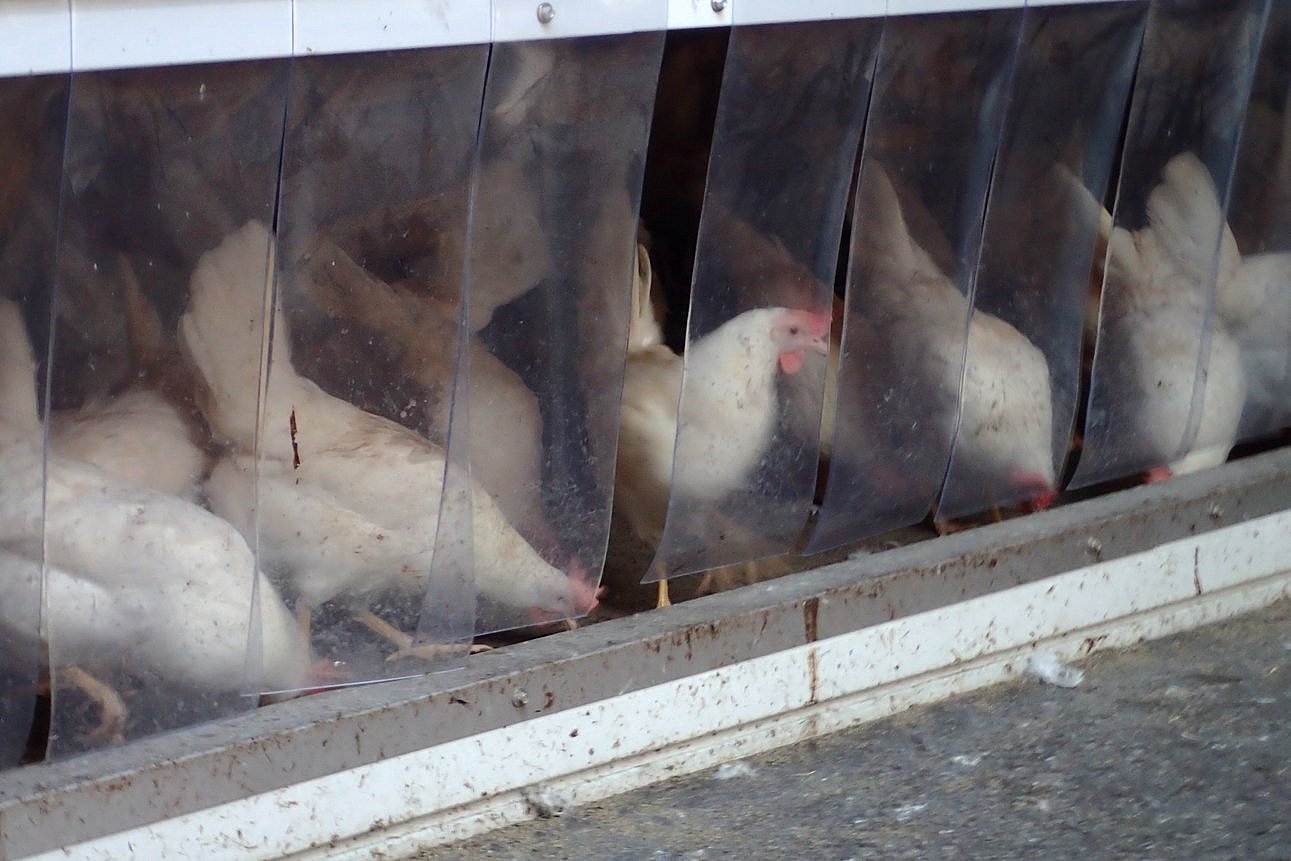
1254,304
1167,385
33,122
371,241
149,593
939,98
552,252
793,103
1022,374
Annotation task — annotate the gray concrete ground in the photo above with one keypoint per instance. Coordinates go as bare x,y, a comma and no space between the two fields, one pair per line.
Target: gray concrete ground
1178,749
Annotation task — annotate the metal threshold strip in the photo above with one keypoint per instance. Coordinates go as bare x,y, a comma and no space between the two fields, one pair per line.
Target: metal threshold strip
383,770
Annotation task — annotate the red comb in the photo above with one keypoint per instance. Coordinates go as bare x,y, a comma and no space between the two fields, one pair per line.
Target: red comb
816,323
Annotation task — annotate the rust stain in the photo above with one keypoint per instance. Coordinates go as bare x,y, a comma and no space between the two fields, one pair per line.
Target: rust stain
1090,643
1196,570
295,450
813,671
810,618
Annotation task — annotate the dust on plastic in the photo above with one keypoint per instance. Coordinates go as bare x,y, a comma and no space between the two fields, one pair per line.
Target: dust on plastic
940,93
1022,374
552,250
149,594
372,224
1167,384
33,113
1254,305
743,468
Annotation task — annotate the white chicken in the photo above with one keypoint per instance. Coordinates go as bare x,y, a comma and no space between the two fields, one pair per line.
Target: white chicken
731,374
137,436
1255,305
1003,407
1155,317
348,501
133,578
506,420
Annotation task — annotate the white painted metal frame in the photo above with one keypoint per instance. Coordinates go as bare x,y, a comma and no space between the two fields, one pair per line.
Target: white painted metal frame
421,762
36,36
346,26
460,788
523,20
785,11
114,34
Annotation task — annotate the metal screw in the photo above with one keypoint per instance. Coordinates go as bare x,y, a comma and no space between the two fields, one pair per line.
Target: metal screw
719,5
546,12
519,699
1215,512
1093,546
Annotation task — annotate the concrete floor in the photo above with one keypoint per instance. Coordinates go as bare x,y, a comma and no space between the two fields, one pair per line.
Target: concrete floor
1178,749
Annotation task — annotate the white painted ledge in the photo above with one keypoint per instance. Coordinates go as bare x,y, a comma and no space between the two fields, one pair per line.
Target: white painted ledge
407,803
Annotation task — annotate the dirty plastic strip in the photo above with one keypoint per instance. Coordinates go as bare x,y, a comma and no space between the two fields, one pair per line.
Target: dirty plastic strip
37,37
117,34
343,26
279,758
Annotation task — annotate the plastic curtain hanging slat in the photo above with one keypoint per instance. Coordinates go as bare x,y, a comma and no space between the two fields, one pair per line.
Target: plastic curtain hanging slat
1254,305
743,468
1167,385
150,594
552,252
34,112
372,227
1022,374
940,93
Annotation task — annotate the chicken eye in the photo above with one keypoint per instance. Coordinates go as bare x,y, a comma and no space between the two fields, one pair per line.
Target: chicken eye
793,330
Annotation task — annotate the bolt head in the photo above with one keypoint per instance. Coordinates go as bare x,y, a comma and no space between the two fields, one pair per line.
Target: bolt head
546,12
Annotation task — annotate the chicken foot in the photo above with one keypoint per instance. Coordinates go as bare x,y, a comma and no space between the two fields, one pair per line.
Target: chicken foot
403,642
664,600
112,709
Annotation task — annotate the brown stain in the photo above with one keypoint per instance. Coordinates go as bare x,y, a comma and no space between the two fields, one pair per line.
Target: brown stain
810,618
813,674
295,450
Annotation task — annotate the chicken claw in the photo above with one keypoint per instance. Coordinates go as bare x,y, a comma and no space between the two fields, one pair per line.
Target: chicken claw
112,709
403,643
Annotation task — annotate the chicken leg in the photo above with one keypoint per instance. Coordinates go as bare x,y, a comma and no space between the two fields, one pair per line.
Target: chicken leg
112,709
404,644
664,600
